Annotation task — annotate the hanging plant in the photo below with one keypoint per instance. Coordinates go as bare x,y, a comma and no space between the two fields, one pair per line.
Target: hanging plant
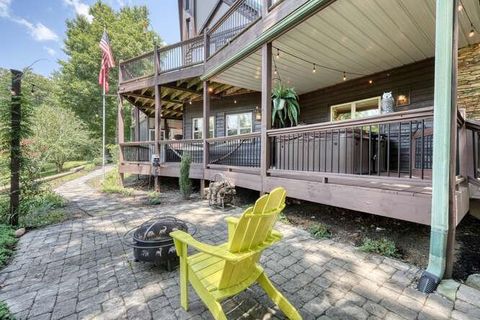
286,109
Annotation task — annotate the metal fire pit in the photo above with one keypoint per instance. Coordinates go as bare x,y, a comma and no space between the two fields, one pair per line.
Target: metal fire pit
151,241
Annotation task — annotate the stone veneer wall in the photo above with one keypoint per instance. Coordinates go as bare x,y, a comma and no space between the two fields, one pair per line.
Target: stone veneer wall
469,80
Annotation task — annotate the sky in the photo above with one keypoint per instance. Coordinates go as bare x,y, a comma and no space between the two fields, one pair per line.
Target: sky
35,29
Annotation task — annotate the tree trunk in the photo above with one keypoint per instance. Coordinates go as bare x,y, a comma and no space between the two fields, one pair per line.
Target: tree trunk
15,151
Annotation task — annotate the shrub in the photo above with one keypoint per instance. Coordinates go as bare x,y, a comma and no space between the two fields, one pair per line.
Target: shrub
319,231
154,198
184,180
90,166
114,151
112,184
37,208
384,247
7,242
4,312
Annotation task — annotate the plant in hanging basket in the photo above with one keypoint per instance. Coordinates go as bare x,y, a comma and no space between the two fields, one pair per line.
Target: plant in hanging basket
286,109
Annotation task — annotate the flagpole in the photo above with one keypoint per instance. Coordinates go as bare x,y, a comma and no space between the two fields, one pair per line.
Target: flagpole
103,131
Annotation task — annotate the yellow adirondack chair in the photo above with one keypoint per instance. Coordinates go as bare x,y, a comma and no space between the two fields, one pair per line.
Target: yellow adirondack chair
219,272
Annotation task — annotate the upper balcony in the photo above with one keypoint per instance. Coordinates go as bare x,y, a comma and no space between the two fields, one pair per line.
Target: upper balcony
186,58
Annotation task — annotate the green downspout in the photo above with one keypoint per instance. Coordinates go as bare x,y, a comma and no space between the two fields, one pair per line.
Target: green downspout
445,10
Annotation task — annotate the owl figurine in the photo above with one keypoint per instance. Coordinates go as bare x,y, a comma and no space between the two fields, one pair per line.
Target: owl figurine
387,102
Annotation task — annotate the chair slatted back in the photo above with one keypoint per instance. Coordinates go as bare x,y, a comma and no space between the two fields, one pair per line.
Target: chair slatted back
252,230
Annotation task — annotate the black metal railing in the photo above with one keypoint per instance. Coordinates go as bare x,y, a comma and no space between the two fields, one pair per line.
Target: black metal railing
397,144
137,151
241,150
240,16
174,150
473,136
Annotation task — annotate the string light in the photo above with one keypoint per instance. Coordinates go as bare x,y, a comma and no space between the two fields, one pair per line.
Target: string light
210,89
315,65
278,54
473,30
234,101
370,81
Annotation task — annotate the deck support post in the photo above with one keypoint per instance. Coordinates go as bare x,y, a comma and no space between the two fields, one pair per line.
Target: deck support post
205,131
120,134
136,116
442,144
266,110
158,119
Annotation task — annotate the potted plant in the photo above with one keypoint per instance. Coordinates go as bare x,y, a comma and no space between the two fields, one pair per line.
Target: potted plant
286,109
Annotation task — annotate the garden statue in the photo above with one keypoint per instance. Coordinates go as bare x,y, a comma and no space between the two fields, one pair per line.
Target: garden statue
387,102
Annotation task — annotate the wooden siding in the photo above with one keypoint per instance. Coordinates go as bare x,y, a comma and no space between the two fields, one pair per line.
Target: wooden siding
220,108
417,78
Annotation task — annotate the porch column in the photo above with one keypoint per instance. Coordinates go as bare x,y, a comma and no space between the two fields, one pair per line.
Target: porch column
136,116
158,119
266,110
444,119
120,133
206,129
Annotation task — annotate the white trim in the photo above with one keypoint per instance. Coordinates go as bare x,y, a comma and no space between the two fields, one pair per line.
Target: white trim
353,107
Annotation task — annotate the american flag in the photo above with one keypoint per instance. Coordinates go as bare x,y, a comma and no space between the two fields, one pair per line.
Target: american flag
107,61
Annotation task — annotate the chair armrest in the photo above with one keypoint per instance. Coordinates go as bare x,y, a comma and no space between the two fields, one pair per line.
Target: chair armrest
216,251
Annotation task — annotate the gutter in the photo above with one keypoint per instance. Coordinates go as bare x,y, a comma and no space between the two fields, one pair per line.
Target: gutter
293,19
442,117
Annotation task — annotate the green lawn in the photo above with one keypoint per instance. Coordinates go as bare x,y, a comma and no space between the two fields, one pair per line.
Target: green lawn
49,169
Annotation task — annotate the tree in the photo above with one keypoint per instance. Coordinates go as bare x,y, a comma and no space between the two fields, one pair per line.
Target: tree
78,80
184,179
59,135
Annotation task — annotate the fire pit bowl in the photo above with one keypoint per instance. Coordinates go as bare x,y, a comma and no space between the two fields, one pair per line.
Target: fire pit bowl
151,241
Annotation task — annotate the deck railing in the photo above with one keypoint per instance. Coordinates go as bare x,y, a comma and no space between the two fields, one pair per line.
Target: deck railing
137,151
173,150
239,16
240,150
473,132
138,67
182,54
396,144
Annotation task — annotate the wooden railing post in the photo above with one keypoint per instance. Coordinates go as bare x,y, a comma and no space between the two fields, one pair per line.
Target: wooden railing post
206,43
266,110
206,129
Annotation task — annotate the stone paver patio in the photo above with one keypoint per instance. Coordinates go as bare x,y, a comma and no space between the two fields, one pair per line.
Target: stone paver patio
79,269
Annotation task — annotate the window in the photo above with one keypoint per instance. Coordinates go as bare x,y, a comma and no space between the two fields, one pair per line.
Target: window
238,123
187,4
197,127
187,28
355,109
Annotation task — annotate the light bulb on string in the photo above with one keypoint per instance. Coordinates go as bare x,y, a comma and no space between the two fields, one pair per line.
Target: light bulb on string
460,7
278,54
344,76
472,32
370,81
275,71
314,68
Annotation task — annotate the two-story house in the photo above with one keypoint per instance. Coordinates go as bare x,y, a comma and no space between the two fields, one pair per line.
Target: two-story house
210,95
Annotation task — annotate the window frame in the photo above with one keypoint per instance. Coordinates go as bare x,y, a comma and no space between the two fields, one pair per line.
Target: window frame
353,106
252,123
211,128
